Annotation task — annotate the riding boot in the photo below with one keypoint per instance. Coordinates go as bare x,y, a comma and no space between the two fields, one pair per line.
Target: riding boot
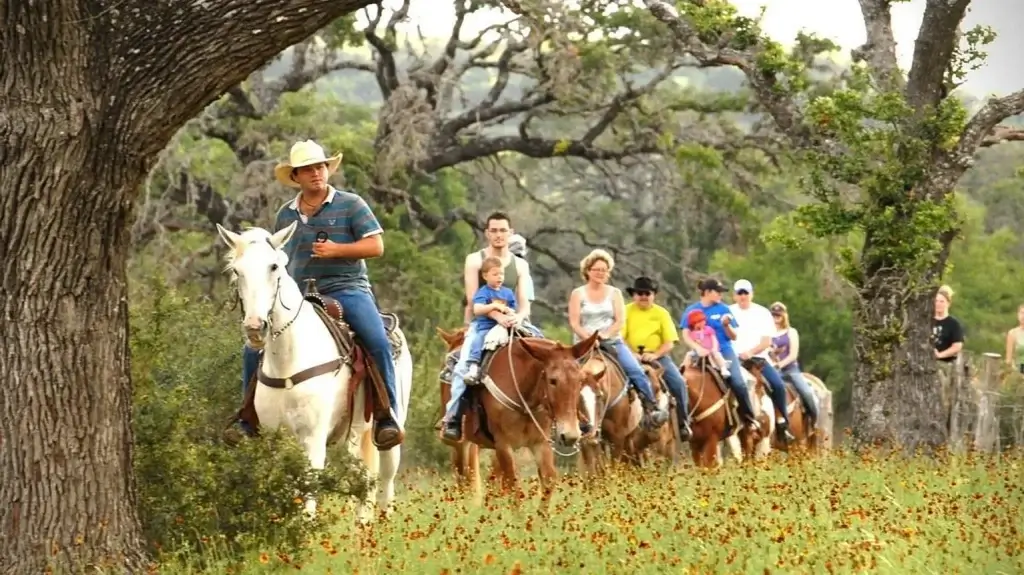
585,427
655,416
685,432
782,430
453,427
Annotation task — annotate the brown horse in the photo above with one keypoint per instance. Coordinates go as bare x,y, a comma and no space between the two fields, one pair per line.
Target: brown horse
807,437
664,442
617,412
714,416
531,389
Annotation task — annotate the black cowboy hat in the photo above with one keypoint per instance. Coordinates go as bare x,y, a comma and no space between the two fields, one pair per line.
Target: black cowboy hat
643,283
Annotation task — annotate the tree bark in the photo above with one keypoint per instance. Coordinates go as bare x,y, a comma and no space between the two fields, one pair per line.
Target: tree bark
89,93
896,394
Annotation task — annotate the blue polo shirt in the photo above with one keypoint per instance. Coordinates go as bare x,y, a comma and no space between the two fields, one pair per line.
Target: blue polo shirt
714,314
346,218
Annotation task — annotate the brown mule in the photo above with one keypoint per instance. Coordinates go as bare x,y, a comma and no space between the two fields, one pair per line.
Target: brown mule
532,387
617,415
800,426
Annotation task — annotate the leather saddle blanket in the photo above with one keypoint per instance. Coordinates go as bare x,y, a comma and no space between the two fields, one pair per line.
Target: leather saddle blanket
353,354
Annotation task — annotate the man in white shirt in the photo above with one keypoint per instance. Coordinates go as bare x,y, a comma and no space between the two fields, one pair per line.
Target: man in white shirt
753,340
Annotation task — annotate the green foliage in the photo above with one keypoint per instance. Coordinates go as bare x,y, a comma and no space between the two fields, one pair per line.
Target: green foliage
797,274
196,495
985,273
718,20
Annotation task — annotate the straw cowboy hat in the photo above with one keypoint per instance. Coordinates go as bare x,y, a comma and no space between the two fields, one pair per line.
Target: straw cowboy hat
305,154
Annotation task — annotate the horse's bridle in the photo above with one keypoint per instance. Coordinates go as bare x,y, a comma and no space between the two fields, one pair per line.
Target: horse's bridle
515,383
273,303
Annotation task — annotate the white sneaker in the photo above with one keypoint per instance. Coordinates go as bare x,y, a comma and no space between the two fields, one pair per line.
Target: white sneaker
472,372
725,372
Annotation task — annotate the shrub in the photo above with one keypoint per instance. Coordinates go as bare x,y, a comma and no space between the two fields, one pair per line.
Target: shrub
195,491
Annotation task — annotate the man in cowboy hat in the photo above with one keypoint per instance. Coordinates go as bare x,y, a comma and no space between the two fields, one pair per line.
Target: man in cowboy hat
649,327
353,234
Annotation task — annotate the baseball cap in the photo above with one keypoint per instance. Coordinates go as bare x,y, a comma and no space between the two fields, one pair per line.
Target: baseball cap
517,245
710,284
743,285
694,317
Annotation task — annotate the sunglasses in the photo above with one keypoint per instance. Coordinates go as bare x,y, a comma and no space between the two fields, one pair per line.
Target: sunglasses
642,293
742,292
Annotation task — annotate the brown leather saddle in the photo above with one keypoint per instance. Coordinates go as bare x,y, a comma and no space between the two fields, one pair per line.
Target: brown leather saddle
353,354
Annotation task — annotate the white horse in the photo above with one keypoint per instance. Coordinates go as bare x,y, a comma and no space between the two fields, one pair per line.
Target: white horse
276,319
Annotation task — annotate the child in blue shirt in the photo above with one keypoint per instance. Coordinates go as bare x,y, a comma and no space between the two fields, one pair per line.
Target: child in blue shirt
493,303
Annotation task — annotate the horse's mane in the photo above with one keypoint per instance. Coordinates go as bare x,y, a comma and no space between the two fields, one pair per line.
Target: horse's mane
251,235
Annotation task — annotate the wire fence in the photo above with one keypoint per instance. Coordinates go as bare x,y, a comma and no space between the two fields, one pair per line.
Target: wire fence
986,403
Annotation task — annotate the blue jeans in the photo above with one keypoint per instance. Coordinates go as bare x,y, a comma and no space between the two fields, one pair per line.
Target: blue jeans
533,329
796,377
778,388
635,373
459,373
736,382
250,363
677,386
362,315
476,343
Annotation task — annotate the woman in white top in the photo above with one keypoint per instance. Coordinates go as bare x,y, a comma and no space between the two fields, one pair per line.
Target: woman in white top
597,306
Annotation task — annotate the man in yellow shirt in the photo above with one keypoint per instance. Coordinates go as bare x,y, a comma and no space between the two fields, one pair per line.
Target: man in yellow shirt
650,332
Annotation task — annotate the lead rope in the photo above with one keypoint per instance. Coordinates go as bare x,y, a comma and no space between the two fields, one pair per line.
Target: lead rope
526,407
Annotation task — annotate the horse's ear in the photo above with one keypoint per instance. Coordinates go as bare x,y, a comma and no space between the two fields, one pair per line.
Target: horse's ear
230,238
583,348
541,353
281,238
445,336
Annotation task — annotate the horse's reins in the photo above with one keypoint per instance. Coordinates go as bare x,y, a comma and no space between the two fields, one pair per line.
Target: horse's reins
526,406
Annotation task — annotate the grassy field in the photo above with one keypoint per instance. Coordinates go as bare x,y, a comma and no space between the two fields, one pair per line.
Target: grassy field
834,515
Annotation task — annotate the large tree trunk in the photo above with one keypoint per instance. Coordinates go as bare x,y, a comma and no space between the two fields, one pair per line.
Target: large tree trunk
67,493
896,392
89,95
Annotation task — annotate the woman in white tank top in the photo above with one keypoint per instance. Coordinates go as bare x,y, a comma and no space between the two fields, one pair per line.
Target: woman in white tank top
597,306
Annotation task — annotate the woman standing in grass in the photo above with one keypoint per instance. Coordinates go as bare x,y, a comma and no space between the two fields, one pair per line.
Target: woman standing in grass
1015,343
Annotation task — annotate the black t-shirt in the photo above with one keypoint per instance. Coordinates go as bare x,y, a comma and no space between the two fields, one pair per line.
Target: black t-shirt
946,332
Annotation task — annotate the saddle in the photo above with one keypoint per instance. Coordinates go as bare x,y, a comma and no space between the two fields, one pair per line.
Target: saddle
496,339
705,364
730,401
353,354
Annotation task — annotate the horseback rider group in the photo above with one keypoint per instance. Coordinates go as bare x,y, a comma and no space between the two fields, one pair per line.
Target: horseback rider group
337,231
